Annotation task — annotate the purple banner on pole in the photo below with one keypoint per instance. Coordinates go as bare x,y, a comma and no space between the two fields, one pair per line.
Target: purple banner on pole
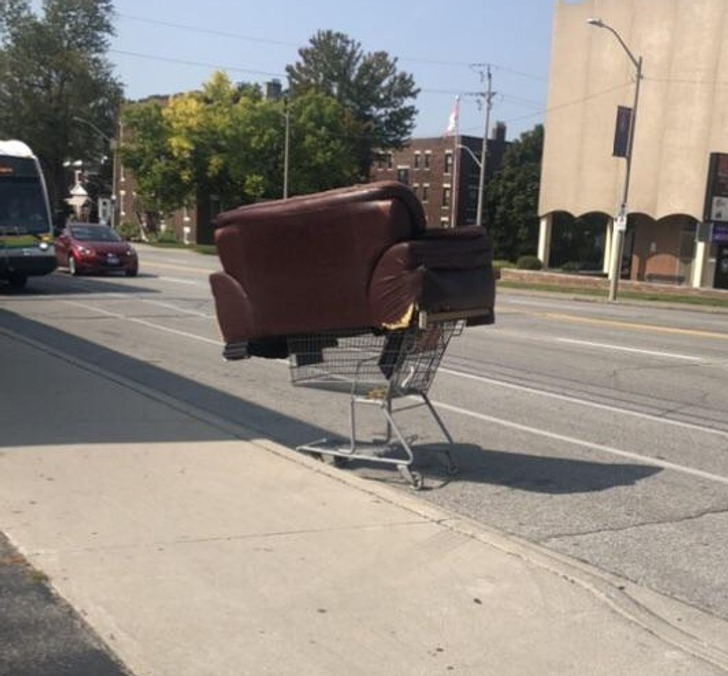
621,131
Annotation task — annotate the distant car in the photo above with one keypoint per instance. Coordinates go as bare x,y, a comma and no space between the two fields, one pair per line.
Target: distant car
92,247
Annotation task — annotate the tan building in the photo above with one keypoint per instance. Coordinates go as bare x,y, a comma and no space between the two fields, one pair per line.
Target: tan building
682,117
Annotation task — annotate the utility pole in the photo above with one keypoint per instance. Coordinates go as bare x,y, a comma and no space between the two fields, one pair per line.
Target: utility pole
488,97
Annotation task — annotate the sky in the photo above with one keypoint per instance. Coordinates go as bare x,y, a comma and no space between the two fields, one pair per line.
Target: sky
166,47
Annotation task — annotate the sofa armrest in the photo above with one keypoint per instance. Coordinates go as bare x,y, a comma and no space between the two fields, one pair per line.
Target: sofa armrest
233,308
447,271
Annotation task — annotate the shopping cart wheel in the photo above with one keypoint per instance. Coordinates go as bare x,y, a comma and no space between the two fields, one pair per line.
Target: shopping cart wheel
418,481
415,478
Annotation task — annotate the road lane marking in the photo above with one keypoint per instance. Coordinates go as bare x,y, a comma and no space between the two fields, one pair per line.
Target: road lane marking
654,353
634,326
642,459
175,266
581,402
177,280
171,306
142,322
646,460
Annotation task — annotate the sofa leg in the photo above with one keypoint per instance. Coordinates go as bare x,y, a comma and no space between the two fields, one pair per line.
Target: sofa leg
235,351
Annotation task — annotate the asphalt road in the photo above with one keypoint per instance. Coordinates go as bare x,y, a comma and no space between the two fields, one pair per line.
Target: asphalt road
40,634
597,430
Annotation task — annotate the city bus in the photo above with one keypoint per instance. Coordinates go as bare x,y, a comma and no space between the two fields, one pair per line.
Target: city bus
26,229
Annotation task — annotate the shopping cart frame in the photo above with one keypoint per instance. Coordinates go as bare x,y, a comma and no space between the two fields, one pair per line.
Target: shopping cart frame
377,369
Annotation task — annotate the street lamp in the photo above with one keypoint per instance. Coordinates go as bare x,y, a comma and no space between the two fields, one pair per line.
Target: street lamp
620,224
473,156
112,148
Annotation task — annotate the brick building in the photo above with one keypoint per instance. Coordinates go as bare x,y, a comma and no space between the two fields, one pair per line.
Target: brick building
444,173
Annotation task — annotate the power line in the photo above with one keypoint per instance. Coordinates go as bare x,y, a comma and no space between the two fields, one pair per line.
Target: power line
155,57
208,31
281,43
185,62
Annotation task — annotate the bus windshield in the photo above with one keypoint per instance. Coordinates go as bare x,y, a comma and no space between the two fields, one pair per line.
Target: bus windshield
22,206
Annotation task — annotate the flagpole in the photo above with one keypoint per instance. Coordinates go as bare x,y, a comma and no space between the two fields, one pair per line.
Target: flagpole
454,191
455,166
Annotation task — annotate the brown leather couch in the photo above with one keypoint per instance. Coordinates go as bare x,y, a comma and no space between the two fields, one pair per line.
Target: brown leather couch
351,259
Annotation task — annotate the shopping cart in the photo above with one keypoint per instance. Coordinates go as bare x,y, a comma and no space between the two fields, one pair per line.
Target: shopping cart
376,369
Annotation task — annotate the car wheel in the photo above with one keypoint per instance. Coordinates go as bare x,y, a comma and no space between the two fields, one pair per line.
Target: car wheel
72,270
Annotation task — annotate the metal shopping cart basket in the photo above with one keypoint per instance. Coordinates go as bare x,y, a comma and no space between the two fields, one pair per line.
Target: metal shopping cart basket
376,369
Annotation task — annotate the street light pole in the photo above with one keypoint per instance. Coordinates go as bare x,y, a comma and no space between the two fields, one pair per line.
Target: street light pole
620,223
112,149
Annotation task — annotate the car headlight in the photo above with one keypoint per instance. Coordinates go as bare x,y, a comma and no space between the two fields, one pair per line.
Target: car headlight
85,251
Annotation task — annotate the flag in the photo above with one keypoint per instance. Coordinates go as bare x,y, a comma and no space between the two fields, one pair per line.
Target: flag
452,122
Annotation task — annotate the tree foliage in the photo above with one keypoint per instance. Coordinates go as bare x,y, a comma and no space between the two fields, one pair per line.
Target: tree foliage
225,140
368,85
53,72
512,198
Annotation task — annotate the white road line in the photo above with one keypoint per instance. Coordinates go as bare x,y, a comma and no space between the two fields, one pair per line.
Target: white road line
177,280
607,346
645,460
642,459
171,306
143,322
582,402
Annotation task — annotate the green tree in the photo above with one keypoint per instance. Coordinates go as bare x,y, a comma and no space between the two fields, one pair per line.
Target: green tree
321,153
368,85
512,198
226,141
53,72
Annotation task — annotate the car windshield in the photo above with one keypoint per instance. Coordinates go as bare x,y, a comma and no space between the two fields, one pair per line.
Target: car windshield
94,233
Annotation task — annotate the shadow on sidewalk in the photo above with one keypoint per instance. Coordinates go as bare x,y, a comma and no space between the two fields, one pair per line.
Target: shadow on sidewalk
533,473
46,412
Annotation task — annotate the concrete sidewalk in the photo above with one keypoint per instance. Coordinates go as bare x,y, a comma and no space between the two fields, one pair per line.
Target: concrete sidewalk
192,547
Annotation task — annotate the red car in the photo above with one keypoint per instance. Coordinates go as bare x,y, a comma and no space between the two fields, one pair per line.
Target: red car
92,247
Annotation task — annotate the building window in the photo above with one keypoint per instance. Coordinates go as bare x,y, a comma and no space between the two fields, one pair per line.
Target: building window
390,161
444,221
446,195
403,175
418,160
448,162
416,188
428,159
425,193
